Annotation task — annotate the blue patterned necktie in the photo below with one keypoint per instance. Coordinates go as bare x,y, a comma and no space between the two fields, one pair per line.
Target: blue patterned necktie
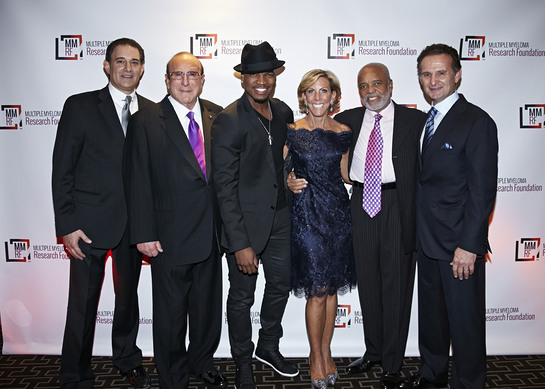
428,132
126,113
196,140
373,170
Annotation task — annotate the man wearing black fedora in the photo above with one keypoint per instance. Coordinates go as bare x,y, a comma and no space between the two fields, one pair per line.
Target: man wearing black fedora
247,159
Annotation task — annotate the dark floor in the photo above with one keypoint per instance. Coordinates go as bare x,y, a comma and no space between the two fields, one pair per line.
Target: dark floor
39,371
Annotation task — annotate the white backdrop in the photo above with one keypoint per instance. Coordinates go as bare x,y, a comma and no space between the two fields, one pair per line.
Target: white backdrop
53,49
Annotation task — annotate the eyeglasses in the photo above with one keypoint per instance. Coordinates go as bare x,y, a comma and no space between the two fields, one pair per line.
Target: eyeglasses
180,75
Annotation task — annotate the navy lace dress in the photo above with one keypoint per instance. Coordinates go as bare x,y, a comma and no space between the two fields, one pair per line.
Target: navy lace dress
322,259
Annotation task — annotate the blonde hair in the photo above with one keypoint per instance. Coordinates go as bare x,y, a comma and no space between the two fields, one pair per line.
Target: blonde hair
310,78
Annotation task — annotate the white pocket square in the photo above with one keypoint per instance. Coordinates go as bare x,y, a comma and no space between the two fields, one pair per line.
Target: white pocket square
446,146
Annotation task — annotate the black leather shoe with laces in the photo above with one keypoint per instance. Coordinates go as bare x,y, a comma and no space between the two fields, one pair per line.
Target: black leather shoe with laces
276,360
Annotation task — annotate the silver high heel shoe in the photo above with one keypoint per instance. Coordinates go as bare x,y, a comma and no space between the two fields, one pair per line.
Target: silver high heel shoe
319,384
332,378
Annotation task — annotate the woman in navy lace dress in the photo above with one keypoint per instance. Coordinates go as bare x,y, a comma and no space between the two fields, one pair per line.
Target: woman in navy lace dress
322,259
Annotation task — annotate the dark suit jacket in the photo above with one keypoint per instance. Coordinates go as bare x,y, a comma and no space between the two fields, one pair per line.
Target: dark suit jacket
408,123
457,186
169,199
245,174
87,169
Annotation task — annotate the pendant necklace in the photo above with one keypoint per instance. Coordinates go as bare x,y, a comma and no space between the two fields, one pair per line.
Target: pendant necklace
268,131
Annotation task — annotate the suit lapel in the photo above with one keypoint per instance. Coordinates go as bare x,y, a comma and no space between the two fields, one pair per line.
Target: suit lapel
400,130
107,109
207,119
356,123
176,132
447,125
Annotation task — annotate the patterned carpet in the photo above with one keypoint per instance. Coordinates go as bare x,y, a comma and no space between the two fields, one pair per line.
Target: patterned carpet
39,371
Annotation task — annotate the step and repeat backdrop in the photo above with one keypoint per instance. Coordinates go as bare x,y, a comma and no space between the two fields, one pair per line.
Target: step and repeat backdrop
53,49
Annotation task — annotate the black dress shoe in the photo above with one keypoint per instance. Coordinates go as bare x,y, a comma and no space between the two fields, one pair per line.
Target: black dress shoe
214,378
360,365
137,377
390,380
416,381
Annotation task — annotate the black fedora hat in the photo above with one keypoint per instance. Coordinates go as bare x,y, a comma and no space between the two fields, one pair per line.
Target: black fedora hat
258,59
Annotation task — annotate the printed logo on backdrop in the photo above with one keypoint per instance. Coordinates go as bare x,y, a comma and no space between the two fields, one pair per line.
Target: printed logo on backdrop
69,47
348,46
472,48
344,316
341,46
73,47
528,249
513,49
517,184
204,46
107,318
17,250
10,117
20,250
532,116
210,46
499,314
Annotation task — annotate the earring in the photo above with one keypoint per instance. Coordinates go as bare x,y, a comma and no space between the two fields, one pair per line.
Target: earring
306,107
331,103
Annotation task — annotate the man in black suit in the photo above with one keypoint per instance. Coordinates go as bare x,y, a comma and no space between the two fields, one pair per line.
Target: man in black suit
91,217
456,192
173,219
247,160
384,241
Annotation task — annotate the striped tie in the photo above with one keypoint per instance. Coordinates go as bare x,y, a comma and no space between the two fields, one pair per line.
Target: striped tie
429,129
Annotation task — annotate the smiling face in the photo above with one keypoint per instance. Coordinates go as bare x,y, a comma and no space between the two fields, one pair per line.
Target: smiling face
437,77
124,68
318,97
184,90
259,87
375,87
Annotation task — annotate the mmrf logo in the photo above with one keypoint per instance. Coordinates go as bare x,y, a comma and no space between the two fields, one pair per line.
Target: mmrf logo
532,116
527,249
341,46
10,117
472,48
204,46
69,47
17,250
344,316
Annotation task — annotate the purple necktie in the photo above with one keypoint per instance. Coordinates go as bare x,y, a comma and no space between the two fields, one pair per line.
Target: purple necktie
373,170
196,140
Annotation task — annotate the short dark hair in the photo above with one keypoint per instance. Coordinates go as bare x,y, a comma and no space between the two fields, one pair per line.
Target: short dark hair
436,49
124,42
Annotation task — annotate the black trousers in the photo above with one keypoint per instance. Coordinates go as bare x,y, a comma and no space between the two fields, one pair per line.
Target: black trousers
385,275
451,311
275,262
180,292
86,277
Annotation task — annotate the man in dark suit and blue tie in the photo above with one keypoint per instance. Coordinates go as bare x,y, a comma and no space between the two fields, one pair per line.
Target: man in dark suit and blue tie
456,192
91,216
174,219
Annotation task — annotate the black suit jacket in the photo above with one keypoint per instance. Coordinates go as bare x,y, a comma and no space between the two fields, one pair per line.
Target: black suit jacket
408,123
87,169
457,186
245,173
169,199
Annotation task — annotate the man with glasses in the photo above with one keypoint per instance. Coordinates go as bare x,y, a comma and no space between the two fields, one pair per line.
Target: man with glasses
91,217
173,219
